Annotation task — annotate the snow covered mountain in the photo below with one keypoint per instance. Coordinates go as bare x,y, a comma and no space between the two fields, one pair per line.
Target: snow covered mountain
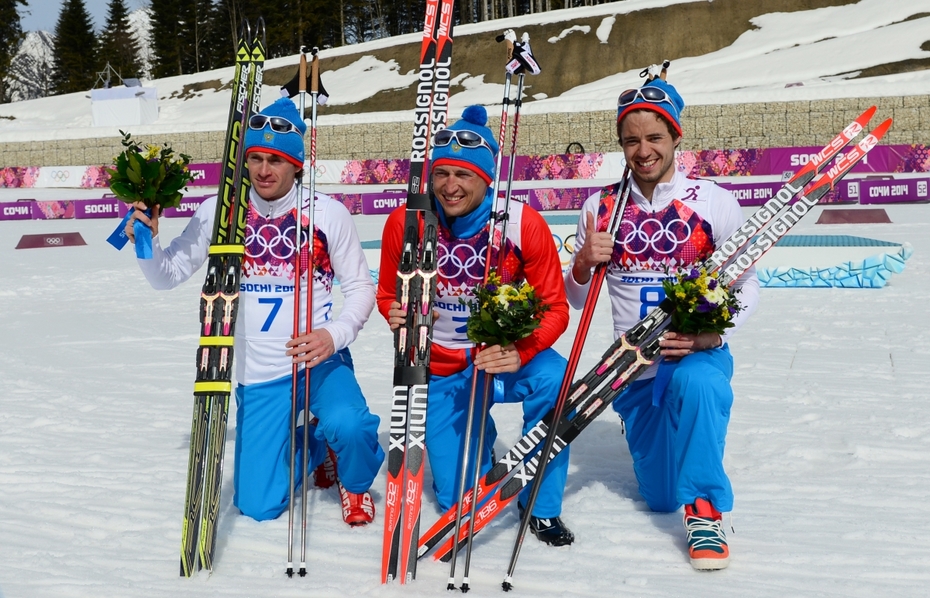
29,71
31,67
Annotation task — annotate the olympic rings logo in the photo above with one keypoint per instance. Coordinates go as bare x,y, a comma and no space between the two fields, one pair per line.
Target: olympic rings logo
461,259
60,176
53,240
277,245
568,245
652,234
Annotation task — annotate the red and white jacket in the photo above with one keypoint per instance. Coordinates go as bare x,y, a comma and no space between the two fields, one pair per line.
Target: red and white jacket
530,256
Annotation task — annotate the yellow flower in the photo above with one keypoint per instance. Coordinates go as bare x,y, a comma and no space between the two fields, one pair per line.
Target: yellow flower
152,152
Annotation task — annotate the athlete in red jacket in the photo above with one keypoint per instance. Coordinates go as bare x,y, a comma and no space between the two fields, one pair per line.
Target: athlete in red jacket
528,370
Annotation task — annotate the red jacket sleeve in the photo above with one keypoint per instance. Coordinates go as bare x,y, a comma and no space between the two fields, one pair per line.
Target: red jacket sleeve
392,239
543,271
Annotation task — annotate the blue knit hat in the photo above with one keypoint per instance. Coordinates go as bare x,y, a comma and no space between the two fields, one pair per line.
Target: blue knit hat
671,110
289,146
477,159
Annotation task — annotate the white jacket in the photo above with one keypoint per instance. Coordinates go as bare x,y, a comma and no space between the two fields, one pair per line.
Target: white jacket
658,235
266,301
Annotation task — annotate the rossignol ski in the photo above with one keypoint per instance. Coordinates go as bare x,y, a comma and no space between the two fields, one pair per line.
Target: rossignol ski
219,299
416,288
515,469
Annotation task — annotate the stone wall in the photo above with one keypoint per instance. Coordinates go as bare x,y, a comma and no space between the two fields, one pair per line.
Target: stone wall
733,126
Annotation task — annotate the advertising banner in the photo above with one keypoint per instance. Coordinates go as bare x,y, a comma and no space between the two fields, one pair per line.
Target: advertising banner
872,191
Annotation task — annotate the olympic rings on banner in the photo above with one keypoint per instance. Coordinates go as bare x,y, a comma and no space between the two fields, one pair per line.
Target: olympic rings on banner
652,234
461,259
60,176
568,245
53,240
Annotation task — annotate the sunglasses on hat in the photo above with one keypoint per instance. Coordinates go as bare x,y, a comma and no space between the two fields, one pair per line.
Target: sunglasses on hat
647,94
464,138
278,124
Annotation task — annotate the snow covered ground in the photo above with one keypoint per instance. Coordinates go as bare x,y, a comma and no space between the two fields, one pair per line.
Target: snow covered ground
829,443
828,450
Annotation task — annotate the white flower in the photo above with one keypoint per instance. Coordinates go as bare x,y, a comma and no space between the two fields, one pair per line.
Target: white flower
716,296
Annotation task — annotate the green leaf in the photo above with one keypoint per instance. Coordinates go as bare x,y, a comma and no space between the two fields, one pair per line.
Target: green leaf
124,191
134,172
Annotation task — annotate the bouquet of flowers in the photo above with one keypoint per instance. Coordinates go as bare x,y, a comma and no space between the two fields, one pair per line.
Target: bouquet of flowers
152,175
503,313
699,302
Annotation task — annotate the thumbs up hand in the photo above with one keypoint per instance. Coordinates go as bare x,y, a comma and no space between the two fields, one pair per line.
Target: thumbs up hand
596,248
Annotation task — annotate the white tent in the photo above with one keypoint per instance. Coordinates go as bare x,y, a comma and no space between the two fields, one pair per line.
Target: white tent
124,106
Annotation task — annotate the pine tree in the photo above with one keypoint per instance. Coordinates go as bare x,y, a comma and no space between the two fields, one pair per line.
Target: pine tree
11,35
75,49
166,39
222,47
118,47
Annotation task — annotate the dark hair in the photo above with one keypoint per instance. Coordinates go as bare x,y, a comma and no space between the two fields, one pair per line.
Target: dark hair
668,124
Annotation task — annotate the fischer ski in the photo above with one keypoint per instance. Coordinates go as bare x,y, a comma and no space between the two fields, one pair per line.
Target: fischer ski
579,400
416,288
219,300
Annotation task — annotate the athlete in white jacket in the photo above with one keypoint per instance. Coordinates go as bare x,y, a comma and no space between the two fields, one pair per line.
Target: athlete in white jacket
263,345
677,412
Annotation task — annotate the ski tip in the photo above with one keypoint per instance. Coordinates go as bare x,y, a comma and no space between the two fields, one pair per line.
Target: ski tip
879,131
868,114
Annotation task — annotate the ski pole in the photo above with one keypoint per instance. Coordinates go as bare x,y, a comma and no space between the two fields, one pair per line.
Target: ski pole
314,95
594,289
509,37
302,82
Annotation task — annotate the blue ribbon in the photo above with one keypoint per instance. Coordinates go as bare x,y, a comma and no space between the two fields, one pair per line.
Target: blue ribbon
142,232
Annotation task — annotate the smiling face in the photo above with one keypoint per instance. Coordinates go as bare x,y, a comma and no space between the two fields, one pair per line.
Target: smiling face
649,147
458,189
272,176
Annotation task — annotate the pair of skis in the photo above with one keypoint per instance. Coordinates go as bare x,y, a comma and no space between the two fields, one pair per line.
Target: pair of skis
638,348
219,301
416,288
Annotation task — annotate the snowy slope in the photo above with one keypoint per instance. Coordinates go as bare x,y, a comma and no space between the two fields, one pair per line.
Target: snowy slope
808,47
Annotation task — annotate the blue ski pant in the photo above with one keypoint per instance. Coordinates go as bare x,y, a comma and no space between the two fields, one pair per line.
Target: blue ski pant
677,445
263,432
536,385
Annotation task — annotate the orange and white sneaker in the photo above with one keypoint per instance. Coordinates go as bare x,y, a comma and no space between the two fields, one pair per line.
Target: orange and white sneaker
357,509
707,544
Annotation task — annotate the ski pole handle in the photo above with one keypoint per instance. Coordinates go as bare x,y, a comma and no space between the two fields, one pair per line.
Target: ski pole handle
315,71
